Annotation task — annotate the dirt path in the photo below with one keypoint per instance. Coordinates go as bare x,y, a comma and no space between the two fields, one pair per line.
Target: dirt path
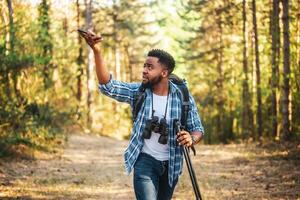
91,167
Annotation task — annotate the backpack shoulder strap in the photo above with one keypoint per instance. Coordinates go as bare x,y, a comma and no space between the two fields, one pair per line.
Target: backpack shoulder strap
185,104
138,100
180,83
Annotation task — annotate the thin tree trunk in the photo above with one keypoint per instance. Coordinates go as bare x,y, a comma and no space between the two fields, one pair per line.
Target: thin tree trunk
258,90
117,70
11,51
296,96
80,57
115,53
298,48
11,26
246,114
6,47
89,69
129,62
220,97
45,43
275,34
6,28
286,72
117,60
116,43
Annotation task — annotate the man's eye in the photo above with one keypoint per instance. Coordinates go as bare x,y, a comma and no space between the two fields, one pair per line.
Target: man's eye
149,67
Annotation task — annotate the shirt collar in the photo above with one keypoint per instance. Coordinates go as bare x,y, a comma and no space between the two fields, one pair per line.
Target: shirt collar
173,88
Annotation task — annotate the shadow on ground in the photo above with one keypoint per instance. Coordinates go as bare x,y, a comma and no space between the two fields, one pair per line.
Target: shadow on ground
91,167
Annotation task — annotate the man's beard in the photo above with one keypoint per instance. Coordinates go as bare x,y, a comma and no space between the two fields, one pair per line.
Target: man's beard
153,82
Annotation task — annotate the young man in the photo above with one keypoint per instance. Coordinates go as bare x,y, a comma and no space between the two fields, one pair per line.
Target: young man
156,158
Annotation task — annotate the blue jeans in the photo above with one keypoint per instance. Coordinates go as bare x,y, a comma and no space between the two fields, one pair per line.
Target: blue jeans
151,179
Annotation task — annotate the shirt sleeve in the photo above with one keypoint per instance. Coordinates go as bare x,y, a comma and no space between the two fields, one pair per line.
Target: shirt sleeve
118,90
193,120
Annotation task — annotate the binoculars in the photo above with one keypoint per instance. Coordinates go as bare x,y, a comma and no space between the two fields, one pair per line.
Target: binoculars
157,126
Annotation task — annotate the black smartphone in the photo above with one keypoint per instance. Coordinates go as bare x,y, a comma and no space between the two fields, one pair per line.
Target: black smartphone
82,32
86,35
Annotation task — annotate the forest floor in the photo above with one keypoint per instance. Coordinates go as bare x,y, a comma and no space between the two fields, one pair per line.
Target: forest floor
91,167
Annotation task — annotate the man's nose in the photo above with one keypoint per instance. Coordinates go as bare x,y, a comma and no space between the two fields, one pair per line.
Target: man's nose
145,70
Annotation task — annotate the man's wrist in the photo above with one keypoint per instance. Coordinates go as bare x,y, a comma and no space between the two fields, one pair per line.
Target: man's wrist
194,140
96,50
196,137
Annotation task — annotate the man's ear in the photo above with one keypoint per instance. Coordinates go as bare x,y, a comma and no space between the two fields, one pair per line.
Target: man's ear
165,73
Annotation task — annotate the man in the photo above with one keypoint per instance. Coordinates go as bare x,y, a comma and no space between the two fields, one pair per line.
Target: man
155,158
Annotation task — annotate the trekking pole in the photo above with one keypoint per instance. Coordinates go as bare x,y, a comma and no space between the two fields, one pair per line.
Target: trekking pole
190,168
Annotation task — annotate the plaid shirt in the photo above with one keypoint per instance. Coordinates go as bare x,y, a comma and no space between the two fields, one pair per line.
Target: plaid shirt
124,92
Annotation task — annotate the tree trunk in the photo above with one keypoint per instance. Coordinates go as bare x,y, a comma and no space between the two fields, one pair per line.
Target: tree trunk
5,21
11,26
129,63
45,42
116,45
286,72
246,113
258,89
115,54
275,34
79,57
11,51
89,69
6,77
296,96
220,97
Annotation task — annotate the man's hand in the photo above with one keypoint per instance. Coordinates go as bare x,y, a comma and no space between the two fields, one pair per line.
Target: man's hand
184,138
92,39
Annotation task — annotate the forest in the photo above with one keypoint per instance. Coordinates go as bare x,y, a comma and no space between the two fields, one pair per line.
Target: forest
241,60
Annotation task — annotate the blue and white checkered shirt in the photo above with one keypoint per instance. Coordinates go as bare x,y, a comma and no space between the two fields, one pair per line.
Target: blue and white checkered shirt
124,92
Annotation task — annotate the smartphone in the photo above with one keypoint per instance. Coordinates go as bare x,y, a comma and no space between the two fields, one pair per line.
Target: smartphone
82,32
86,35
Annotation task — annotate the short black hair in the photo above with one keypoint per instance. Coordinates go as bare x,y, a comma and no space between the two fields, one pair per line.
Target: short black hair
164,58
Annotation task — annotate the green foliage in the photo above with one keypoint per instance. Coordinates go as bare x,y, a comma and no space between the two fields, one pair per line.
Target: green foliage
213,58
29,125
27,116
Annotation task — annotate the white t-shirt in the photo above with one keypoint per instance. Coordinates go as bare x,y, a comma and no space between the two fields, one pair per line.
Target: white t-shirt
152,146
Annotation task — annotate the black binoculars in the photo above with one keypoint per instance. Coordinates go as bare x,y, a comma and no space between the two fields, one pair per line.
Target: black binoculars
157,126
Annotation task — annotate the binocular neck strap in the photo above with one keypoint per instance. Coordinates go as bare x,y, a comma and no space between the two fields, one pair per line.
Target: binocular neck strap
166,103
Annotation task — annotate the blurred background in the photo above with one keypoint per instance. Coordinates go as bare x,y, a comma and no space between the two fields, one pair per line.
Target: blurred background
241,60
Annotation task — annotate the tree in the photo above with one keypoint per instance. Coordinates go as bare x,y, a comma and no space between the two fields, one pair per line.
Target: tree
8,41
79,60
247,116
257,65
11,35
286,71
220,100
14,61
45,42
275,34
89,68
296,72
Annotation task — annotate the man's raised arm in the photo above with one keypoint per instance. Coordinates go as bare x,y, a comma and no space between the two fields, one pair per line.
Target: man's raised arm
94,41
